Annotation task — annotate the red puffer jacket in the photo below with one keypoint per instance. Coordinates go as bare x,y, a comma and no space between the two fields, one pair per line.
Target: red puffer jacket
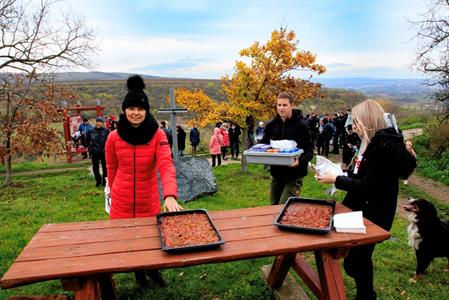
132,175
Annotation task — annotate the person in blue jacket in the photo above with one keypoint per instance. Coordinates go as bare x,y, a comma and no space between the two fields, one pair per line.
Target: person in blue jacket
96,141
194,139
83,129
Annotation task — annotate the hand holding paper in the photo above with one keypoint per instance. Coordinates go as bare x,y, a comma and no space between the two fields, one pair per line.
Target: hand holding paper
328,171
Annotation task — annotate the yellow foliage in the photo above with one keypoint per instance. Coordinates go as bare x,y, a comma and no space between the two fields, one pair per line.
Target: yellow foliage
252,89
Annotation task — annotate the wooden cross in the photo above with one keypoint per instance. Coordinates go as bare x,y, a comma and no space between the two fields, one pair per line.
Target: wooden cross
173,110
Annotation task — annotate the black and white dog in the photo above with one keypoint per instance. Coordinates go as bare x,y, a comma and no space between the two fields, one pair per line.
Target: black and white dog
427,234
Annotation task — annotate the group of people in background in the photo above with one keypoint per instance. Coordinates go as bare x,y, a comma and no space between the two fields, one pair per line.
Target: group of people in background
223,138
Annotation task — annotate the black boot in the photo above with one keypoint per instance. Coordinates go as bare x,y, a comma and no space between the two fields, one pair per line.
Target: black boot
157,278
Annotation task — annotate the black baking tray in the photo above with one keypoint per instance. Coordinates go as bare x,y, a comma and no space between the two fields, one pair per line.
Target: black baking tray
292,200
193,247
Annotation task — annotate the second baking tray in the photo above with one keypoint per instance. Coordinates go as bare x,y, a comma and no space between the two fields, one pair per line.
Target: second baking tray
197,247
291,227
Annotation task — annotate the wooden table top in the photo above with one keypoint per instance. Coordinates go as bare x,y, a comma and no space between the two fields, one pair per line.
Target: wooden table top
78,249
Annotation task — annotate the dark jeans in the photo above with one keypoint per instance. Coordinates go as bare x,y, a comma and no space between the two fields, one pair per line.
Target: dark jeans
326,143
193,150
335,144
96,159
218,157
235,148
282,189
224,151
359,265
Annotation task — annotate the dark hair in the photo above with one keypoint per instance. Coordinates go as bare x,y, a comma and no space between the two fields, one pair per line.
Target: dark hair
286,95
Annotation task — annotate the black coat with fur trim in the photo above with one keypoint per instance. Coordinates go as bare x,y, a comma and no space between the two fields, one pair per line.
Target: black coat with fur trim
374,189
293,128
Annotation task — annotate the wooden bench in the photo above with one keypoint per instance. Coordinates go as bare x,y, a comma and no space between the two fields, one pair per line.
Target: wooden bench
83,255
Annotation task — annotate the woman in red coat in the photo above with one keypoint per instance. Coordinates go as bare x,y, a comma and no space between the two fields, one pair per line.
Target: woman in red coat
133,154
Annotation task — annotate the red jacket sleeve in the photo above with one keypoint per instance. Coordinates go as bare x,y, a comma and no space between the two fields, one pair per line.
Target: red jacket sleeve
111,158
165,165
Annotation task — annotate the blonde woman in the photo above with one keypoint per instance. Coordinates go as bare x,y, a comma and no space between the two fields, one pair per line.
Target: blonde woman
373,186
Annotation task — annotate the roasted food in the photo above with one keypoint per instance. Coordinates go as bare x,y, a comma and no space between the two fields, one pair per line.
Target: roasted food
188,230
307,215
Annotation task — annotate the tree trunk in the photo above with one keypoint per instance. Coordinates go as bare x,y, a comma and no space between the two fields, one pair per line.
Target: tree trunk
244,163
8,177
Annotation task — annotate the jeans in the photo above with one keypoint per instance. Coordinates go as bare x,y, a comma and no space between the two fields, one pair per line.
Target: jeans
96,159
282,189
235,148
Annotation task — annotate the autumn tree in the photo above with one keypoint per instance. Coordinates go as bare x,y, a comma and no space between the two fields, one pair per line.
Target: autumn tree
264,71
433,49
34,42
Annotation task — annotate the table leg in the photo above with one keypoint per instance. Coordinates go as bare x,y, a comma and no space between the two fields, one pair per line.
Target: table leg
331,280
279,270
90,290
107,287
308,275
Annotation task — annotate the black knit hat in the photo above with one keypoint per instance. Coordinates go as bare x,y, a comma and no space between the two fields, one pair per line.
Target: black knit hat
136,97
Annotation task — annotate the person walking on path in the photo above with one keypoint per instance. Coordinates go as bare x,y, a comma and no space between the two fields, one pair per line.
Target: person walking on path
181,139
135,152
288,124
234,135
373,185
194,139
215,143
224,147
96,141
84,129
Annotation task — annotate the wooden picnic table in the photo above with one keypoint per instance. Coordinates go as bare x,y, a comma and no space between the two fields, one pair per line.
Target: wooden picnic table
84,255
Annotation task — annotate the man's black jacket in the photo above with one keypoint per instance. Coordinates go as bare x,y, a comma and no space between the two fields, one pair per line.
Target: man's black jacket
293,128
96,140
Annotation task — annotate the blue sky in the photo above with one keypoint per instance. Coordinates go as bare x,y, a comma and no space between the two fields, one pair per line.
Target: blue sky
201,39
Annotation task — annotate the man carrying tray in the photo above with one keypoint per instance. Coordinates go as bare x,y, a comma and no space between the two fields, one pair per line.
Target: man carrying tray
288,124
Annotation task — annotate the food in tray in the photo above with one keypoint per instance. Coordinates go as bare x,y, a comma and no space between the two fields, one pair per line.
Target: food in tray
269,149
187,230
308,215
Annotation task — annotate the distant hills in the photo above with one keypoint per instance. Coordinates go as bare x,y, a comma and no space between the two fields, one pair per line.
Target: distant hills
402,90
397,88
91,76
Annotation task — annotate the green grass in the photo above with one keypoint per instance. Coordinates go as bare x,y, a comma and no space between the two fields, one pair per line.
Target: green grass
66,197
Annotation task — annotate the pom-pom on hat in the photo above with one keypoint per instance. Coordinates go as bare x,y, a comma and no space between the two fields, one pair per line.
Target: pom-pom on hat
136,97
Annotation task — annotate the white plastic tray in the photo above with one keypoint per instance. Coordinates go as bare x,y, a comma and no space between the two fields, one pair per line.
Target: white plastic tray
270,158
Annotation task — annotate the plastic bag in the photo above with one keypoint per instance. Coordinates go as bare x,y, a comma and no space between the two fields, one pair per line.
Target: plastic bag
107,197
324,166
283,144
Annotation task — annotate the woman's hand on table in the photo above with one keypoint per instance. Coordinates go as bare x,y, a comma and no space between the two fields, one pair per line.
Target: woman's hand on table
327,178
170,204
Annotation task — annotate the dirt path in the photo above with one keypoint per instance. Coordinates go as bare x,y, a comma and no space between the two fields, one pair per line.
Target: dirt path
45,171
410,133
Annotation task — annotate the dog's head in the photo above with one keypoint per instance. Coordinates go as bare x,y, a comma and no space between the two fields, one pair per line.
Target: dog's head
420,209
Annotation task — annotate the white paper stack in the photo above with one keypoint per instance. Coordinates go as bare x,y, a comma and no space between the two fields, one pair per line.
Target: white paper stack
351,222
